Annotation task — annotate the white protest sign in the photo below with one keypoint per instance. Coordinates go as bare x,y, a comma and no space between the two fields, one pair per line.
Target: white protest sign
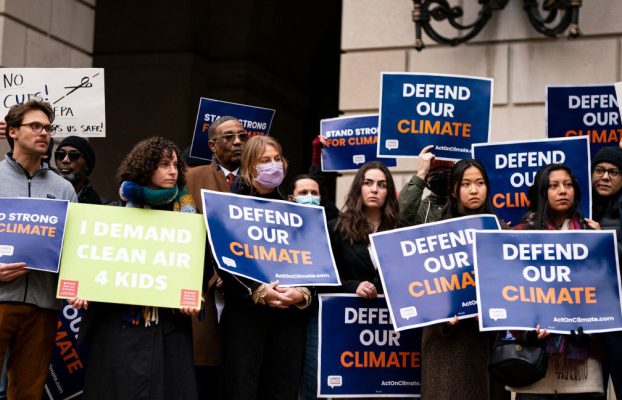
77,95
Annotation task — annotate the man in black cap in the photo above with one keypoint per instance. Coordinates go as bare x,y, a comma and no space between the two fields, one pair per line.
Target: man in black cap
75,160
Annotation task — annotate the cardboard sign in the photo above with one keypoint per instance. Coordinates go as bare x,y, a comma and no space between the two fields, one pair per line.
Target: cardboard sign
561,280
512,167
77,95
590,111
360,353
255,120
350,143
450,112
133,256
427,270
28,224
269,240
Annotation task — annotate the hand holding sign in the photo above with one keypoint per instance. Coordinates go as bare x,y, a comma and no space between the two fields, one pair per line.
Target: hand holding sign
425,161
11,271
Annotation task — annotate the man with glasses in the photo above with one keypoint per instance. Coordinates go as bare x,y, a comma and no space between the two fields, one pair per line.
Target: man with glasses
226,139
75,160
28,305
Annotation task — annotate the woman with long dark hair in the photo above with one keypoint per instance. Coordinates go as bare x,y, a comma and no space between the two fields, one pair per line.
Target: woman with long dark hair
142,351
371,206
456,365
573,370
263,325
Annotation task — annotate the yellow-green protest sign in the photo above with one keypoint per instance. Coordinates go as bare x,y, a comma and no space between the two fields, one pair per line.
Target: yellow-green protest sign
132,256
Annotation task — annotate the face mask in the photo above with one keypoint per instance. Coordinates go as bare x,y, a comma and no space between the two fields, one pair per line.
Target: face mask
308,199
270,175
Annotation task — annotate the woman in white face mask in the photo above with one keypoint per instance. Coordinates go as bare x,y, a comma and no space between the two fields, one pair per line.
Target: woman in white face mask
263,326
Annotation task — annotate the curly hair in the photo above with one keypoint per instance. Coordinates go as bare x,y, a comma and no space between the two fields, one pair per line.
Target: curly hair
352,223
141,162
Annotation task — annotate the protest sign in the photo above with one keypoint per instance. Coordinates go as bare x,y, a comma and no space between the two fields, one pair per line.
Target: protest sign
350,143
512,166
360,353
132,256
269,240
450,112
560,280
67,371
255,120
28,224
427,270
77,95
590,111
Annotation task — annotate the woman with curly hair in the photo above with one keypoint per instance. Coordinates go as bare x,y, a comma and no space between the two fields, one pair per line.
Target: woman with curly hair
140,351
371,206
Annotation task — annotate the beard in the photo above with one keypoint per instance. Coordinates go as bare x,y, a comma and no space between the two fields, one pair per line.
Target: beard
73,177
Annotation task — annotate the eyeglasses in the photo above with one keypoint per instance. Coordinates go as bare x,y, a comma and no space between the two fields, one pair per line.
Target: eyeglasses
229,137
613,172
74,155
38,127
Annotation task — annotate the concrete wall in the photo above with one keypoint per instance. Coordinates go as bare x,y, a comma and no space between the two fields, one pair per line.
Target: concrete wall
378,35
46,33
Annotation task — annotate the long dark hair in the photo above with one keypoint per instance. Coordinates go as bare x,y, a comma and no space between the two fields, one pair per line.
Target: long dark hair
453,207
538,214
352,223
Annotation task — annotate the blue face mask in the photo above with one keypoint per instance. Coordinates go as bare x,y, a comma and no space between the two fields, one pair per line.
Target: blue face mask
308,199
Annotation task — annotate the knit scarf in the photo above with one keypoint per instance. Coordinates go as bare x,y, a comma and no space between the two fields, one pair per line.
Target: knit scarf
138,196
568,358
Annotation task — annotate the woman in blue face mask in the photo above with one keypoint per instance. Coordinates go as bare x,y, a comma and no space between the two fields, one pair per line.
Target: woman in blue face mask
263,326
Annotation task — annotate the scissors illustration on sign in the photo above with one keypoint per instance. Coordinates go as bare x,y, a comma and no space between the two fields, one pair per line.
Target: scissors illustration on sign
84,83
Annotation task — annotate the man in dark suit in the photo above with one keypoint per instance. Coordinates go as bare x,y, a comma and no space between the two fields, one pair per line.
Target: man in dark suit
226,139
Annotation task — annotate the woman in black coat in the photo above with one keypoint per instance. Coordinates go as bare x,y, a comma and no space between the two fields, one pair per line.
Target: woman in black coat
371,206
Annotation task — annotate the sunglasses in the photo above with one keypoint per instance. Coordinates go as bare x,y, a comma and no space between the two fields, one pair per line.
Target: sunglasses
74,155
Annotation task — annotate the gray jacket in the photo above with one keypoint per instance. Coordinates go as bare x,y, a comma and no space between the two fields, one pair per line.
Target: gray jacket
36,287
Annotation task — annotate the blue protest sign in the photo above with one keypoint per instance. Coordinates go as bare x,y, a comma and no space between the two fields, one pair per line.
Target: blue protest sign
350,143
448,111
32,224
360,353
512,166
560,280
255,120
69,361
590,111
427,270
269,240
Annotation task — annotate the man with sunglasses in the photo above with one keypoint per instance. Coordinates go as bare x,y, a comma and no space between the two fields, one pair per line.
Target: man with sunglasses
226,139
28,304
75,160
431,174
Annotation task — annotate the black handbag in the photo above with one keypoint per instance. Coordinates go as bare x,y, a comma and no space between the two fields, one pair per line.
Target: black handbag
517,363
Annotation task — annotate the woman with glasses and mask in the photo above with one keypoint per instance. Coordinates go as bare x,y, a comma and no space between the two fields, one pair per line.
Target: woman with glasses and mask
431,174
263,325
606,193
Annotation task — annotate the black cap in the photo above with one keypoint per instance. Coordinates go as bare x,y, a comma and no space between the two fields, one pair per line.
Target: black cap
611,155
